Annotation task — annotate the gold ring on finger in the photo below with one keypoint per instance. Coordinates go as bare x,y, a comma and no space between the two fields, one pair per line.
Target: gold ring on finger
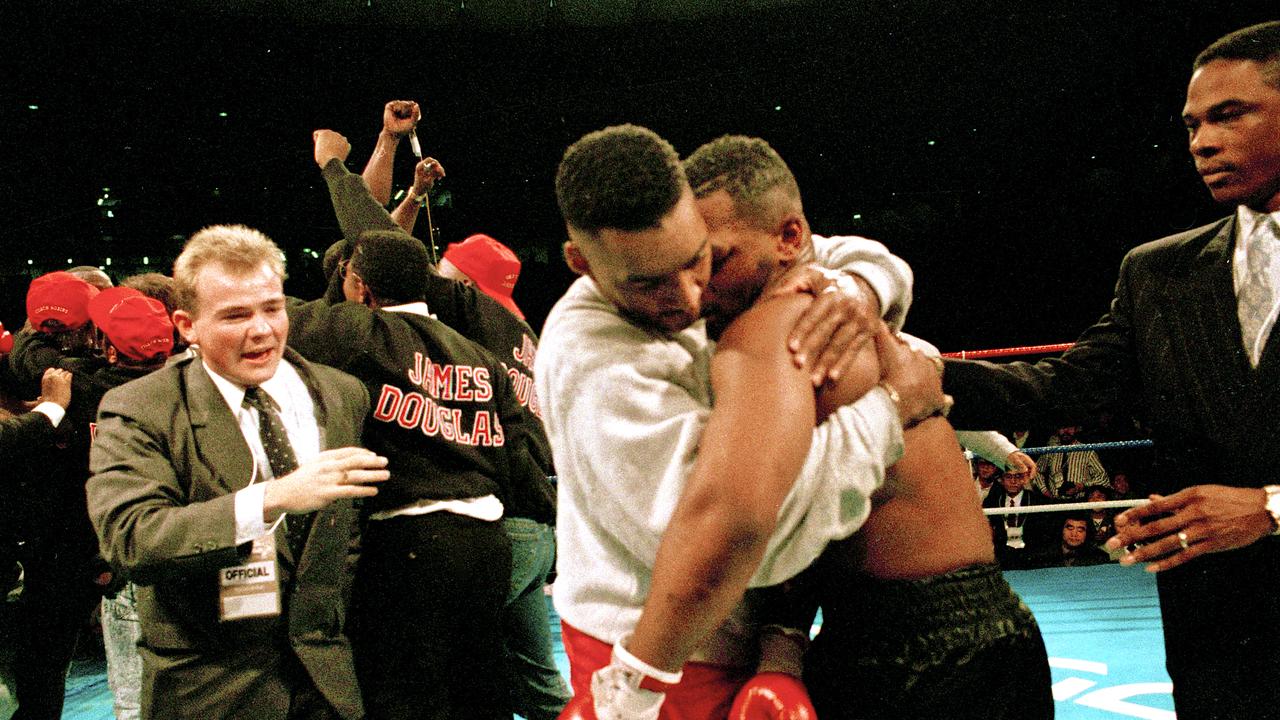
1183,540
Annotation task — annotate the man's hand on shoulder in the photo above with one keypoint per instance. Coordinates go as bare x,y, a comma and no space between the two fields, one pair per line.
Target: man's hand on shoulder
913,379
332,475
842,319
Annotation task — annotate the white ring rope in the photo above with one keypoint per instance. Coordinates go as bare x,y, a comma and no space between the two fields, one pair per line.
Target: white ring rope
1062,507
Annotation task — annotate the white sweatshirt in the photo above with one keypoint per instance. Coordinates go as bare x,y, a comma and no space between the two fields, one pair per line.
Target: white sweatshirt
624,409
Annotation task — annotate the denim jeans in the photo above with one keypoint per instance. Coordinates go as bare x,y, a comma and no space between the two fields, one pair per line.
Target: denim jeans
538,690
120,633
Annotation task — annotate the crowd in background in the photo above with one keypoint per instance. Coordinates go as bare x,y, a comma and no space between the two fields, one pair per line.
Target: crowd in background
1063,538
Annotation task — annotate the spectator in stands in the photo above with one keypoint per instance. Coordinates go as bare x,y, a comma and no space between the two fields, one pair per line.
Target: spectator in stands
1101,520
1017,536
1076,546
1120,485
1065,476
986,474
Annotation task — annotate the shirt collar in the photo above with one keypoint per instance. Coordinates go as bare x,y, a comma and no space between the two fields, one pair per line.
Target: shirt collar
1249,219
277,387
413,308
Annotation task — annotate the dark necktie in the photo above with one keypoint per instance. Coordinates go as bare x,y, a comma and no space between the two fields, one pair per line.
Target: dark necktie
280,455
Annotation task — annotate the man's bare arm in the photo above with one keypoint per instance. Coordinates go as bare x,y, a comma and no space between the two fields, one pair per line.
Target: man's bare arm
399,118
754,445
425,174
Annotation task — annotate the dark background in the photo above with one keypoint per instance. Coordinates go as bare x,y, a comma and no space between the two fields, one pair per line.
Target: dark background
1011,151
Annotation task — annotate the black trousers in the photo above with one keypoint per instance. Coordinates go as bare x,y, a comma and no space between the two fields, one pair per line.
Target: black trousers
41,630
1222,634
427,618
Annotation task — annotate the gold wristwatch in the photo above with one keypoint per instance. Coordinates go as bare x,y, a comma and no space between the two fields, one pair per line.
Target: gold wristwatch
1273,506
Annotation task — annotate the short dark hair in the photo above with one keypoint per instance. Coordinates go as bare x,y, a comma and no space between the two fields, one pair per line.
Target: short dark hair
624,177
92,275
1259,43
1080,517
749,170
337,253
393,265
155,286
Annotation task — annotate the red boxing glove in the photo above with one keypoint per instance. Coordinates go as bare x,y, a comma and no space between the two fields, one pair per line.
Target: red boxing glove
580,707
6,341
772,696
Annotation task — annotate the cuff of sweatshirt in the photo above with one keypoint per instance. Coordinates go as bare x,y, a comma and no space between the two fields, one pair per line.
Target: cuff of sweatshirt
334,170
52,410
881,408
879,280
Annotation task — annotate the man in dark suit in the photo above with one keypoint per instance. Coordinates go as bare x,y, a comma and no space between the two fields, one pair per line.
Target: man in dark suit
1016,537
242,609
1189,347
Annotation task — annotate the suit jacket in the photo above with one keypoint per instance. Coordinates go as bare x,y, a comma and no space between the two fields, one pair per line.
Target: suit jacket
1036,527
1170,352
167,461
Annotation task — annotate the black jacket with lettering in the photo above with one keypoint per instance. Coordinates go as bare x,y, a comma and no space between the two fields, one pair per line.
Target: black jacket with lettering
472,313
444,412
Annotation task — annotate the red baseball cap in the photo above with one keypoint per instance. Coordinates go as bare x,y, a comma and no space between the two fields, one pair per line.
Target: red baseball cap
491,265
59,296
138,326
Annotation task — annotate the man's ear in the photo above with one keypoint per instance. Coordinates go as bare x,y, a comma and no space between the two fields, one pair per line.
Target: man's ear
366,295
790,238
574,258
185,323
